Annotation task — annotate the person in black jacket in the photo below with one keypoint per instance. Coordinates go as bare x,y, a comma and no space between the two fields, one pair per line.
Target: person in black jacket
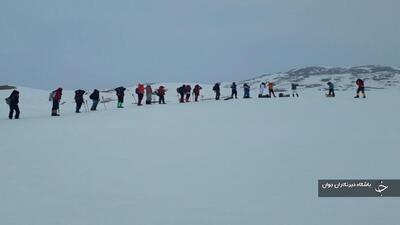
217,91
120,94
181,92
294,90
95,97
187,90
234,90
79,99
13,101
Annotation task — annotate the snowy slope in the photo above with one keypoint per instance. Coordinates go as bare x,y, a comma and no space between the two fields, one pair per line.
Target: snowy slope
254,161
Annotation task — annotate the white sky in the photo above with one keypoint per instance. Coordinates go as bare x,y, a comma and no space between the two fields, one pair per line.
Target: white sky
102,43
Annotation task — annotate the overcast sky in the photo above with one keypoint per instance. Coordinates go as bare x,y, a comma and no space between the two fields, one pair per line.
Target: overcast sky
103,43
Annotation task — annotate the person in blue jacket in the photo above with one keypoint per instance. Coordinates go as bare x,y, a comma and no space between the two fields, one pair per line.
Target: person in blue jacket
331,89
246,88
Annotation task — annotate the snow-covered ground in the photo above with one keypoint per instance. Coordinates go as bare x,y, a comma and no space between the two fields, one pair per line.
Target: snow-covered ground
254,161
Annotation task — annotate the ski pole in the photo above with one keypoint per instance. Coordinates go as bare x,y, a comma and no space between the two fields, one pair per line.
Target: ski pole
134,99
104,103
86,106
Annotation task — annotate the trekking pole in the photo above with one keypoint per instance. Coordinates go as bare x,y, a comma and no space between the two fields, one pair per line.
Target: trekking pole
134,99
104,103
86,106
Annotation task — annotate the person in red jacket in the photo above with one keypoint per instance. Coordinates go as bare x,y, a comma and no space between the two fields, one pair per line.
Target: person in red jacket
161,94
188,90
196,92
56,98
360,85
140,93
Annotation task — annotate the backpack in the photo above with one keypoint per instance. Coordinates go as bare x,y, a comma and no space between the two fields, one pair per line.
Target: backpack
91,96
51,96
137,91
8,100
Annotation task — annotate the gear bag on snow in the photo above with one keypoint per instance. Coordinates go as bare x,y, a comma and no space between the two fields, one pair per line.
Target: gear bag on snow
281,95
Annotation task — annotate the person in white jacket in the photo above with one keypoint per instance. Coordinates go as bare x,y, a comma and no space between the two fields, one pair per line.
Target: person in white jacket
262,89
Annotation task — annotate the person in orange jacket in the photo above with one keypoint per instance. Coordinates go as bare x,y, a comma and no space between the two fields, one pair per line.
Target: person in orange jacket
140,93
271,89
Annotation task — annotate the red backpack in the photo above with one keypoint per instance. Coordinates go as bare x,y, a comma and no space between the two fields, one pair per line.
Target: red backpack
360,83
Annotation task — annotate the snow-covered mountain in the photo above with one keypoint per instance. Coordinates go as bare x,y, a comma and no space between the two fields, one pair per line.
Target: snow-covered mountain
376,77
310,78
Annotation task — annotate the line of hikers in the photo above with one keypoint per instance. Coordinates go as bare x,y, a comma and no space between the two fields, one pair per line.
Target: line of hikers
184,94
262,90
234,93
